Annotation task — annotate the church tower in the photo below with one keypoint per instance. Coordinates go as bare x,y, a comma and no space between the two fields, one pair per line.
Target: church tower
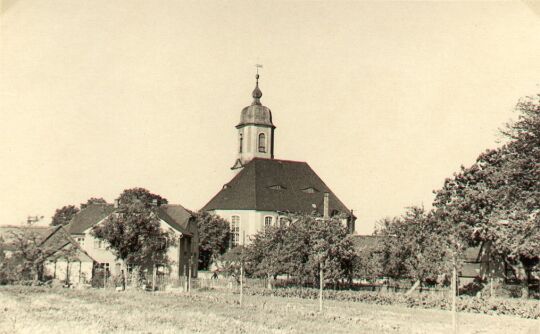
255,131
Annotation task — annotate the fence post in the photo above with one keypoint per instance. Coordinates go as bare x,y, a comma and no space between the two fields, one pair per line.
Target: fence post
454,293
154,278
189,276
321,284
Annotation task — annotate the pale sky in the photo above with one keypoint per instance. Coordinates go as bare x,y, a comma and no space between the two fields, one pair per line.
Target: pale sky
383,100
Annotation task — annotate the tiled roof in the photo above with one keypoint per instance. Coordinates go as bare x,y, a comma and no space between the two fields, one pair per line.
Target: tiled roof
60,238
276,185
174,215
88,217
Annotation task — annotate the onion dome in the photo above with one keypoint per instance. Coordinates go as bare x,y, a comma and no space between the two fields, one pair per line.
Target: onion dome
256,113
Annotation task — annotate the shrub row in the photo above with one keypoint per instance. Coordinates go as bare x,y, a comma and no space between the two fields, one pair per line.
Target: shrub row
516,307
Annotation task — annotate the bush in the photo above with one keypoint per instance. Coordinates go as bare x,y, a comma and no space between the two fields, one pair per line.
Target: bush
517,307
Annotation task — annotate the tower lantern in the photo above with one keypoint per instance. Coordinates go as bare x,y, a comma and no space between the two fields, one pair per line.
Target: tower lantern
255,130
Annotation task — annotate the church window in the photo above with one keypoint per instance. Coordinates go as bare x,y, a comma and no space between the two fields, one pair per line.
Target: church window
267,221
241,142
235,230
262,142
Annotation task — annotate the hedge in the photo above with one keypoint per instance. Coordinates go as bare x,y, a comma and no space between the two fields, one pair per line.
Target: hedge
524,308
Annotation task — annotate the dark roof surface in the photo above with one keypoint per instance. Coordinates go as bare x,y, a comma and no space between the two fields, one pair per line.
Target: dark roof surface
275,185
58,239
88,217
174,215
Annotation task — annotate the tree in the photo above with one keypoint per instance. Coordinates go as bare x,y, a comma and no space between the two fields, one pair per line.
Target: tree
214,233
64,215
142,195
133,233
28,254
93,200
414,246
497,199
300,248
368,263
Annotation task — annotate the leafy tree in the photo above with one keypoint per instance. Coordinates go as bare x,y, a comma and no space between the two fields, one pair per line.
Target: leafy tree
64,215
93,200
213,237
133,233
497,199
300,248
28,254
414,246
142,195
368,263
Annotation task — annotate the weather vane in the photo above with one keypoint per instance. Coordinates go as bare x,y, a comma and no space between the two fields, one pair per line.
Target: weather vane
258,66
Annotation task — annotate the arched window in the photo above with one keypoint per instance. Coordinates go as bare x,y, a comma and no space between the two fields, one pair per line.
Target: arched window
262,143
241,142
235,230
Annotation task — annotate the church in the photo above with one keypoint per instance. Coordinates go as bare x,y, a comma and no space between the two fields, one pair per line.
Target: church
264,190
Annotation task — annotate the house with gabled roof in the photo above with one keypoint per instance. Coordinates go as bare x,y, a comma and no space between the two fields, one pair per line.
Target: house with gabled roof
65,259
182,256
265,189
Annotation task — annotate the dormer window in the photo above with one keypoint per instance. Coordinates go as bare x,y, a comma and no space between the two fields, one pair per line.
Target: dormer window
277,187
262,143
310,190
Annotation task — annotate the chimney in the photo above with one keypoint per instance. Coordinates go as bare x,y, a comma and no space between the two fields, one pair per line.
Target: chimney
326,209
155,202
116,203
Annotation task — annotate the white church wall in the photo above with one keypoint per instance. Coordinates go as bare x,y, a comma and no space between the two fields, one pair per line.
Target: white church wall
251,221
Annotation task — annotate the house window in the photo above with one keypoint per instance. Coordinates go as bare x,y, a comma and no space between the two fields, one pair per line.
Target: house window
103,266
80,241
235,230
267,221
262,143
99,244
241,142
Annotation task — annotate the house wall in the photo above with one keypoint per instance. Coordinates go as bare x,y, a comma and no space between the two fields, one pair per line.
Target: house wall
102,255
73,272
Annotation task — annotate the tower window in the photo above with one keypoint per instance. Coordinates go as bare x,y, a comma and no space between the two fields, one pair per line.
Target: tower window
241,142
262,143
235,230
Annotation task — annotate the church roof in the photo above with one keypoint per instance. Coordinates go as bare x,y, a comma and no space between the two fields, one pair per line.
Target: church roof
276,185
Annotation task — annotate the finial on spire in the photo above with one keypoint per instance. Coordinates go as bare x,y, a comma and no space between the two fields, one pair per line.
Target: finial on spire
257,94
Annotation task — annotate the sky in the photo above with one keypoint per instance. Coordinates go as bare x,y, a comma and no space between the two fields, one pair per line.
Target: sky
384,100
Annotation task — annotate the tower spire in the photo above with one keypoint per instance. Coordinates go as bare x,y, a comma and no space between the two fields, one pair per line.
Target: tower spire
257,94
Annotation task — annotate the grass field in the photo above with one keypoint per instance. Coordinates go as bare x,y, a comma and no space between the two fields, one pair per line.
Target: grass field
46,310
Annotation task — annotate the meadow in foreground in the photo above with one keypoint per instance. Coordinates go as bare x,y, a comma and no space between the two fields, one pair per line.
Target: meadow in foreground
46,310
